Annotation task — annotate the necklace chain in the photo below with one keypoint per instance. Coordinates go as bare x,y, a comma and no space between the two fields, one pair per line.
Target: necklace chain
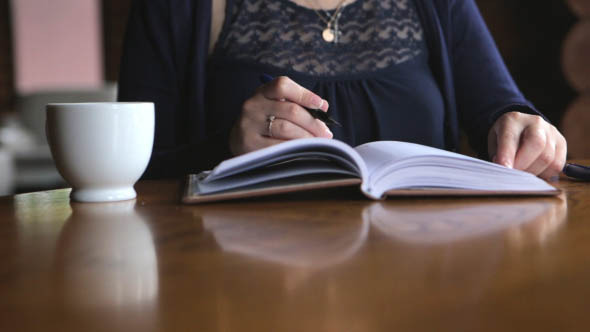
330,34
330,17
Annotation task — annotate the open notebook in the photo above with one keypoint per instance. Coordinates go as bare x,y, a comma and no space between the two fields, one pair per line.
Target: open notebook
381,169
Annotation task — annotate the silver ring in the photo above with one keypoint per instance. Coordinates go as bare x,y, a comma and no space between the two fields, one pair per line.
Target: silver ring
270,120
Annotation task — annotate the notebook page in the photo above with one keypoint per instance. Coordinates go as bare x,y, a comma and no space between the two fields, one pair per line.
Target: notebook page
288,169
438,173
283,151
401,165
382,153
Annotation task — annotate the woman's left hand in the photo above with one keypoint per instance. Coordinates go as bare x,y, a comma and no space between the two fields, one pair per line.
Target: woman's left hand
527,142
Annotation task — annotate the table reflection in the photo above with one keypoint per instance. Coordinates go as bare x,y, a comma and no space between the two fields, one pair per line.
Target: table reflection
426,254
442,222
289,237
106,258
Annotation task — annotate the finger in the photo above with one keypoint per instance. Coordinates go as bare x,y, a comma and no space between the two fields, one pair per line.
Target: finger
560,157
257,142
544,159
259,108
532,145
250,139
264,142
507,140
285,88
560,152
285,130
492,144
299,116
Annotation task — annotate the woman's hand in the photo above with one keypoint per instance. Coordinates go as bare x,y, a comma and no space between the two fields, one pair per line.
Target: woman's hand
527,142
275,114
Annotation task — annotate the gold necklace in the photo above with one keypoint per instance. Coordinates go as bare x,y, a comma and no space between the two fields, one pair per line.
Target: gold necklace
332,31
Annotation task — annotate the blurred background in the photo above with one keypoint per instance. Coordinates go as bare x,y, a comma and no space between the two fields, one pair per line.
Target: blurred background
69,50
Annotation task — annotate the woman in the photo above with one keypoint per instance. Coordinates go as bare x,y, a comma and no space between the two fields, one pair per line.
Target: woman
412,70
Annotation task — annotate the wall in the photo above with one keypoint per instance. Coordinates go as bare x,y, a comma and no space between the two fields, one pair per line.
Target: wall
530,35
57,44
576,65
6,73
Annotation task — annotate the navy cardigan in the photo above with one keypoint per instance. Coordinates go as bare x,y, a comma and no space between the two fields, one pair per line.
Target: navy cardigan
165,56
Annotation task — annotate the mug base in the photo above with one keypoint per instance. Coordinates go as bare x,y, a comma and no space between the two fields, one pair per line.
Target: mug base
103,194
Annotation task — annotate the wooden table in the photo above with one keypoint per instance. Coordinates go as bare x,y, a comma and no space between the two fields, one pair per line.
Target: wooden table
331,261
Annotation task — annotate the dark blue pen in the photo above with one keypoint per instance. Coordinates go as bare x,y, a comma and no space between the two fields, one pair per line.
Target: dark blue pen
577,171
317,114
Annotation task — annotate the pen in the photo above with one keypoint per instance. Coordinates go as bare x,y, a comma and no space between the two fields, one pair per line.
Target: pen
577,171
317,114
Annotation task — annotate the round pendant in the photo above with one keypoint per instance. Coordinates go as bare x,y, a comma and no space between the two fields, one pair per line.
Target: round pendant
328,35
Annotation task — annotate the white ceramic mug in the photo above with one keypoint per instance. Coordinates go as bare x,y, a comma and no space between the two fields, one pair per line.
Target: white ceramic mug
101,149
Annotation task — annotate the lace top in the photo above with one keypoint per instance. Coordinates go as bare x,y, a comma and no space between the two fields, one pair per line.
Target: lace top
376,77
374,34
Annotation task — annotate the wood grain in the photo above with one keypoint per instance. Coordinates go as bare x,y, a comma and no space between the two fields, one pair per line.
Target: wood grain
326,261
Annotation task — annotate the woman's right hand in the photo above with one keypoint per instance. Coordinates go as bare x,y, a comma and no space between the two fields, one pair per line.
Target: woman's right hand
284,100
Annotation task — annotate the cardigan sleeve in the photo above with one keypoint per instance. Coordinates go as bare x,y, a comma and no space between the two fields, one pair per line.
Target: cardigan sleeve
484,89
163,61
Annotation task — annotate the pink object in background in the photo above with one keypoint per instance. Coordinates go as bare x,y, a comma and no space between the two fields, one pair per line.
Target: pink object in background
57,44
